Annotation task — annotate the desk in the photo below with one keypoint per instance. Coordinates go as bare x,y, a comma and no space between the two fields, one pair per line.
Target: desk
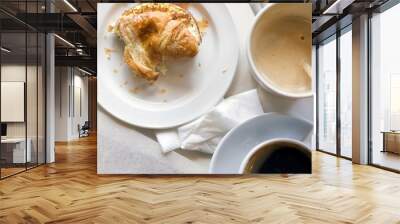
16,148
391,141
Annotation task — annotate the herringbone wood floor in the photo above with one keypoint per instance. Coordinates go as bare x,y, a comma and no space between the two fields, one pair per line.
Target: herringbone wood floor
69,191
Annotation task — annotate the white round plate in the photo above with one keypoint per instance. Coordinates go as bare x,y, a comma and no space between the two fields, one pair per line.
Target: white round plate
191,87
234,147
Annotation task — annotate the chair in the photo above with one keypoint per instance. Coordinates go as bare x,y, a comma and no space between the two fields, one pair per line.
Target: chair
84,130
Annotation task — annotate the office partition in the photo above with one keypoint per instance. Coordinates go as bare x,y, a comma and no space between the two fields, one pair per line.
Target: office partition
22,78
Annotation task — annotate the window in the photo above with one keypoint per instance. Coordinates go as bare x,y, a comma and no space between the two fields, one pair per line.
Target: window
22,78
346,92
385,89
394,117
335,74
327,95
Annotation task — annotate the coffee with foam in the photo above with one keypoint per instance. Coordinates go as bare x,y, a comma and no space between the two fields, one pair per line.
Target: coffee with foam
283,55
280,49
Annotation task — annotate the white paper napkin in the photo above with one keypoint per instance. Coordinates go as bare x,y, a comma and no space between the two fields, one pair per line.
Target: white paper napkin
205,133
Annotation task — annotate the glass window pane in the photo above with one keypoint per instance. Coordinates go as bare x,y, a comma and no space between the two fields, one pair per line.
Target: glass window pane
327,96
32,88
346,94
13,87
31,100
385,84
23,90
41,99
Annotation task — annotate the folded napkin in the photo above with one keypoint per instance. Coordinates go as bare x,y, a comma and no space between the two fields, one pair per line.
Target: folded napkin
256,7
205,133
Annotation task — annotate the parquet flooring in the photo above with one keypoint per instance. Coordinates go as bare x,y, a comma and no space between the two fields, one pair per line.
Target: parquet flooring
10,171
70,191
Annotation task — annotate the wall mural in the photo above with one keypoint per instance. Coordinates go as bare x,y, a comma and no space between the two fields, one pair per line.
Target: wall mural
204,88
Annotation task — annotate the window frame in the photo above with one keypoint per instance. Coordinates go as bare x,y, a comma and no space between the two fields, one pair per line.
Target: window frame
27,29
378,10
334,37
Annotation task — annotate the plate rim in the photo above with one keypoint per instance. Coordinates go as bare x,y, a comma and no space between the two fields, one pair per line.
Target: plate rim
106,105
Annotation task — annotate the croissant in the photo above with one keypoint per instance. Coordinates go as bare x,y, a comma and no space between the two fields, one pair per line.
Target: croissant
153,32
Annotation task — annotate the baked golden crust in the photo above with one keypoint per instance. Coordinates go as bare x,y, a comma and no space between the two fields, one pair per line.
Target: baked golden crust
153,31
146,72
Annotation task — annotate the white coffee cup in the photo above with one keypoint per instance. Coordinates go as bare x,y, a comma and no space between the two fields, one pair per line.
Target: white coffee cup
279,49
265,152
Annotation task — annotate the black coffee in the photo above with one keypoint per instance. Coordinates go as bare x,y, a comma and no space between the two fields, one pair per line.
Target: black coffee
286,160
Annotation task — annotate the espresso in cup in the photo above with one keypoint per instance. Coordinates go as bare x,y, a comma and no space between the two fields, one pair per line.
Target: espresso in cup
283,156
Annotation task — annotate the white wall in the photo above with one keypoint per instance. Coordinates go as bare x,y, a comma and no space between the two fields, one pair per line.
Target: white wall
16,73
62,81
80,100
9,73
70,83
12,101
33,127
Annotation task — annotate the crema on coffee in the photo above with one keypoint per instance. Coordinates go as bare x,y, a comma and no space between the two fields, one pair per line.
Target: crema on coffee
282,53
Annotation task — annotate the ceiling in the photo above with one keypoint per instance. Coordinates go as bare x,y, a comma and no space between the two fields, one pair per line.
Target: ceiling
329,16
72,20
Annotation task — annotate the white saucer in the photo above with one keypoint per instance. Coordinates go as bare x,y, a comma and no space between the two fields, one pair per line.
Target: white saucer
191,87
234,147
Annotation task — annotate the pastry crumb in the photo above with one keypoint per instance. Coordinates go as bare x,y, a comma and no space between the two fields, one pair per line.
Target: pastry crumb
115,71
165,101
108,52
134,90
180,76
126,82
163,91
202,24
110,28
224,70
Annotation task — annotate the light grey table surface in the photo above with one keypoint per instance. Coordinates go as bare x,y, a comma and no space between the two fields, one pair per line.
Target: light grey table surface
126,149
